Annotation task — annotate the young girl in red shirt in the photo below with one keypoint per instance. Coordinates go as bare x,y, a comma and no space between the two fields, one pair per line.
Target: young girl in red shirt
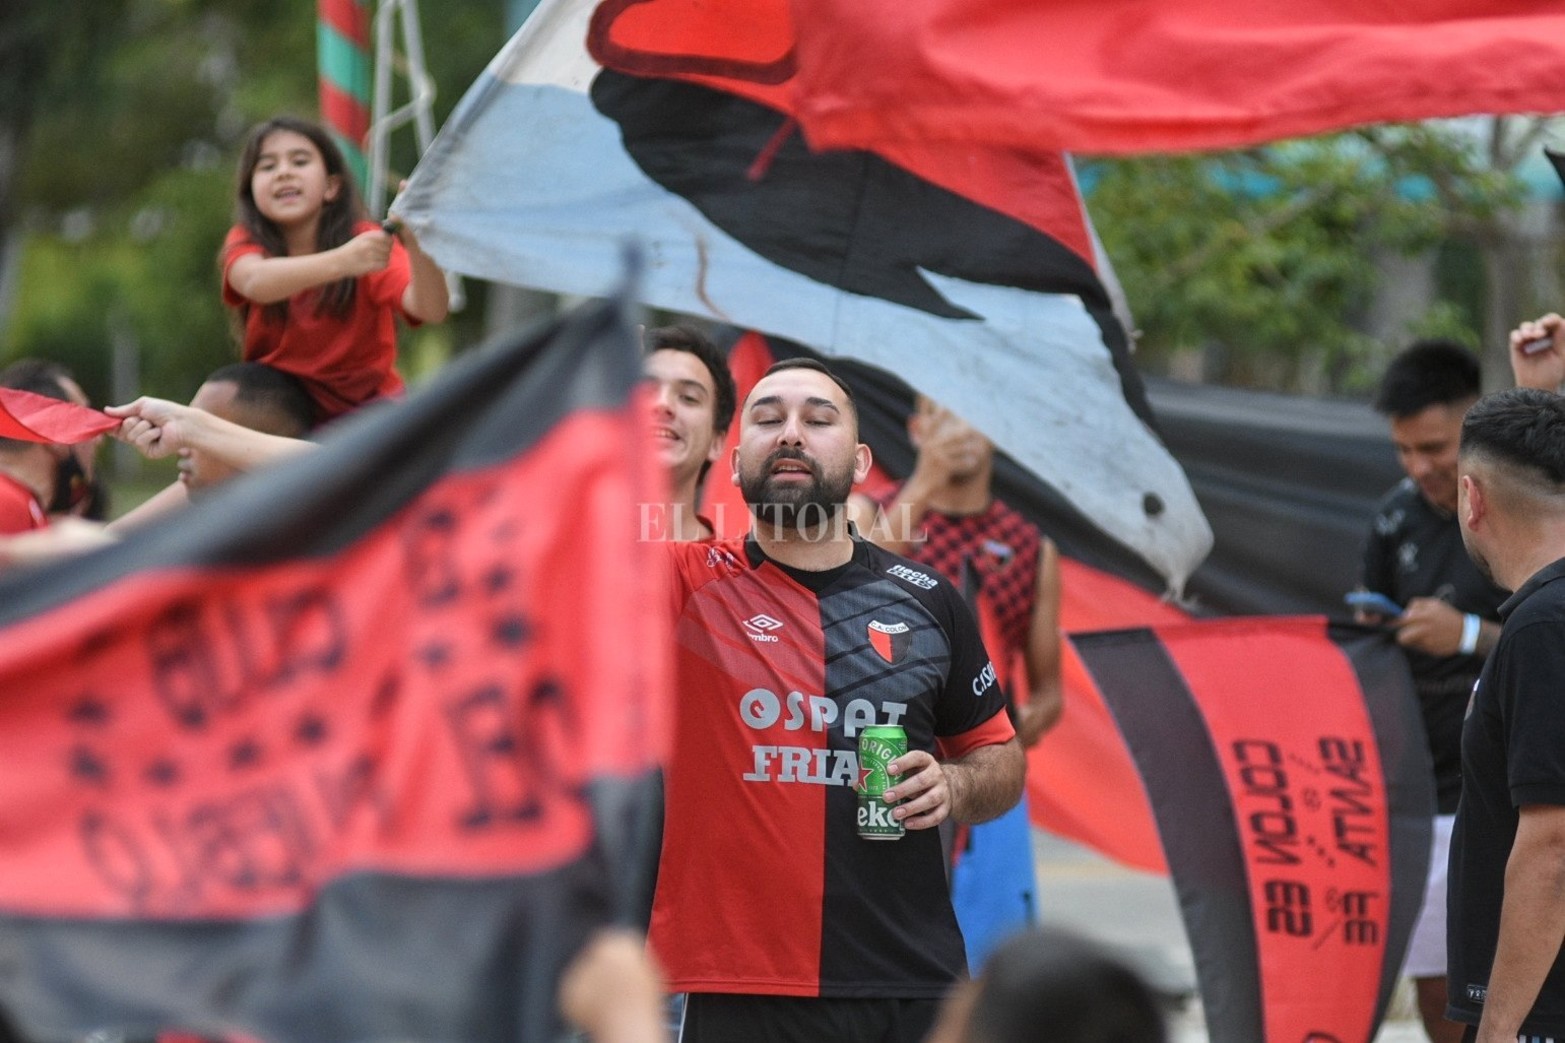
316,284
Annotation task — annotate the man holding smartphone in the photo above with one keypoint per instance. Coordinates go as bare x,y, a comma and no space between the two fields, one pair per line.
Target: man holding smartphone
1449,618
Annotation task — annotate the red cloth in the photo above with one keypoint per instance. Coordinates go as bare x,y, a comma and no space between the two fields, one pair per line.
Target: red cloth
1082,781
747,47
1161,75
20,510
1303,731
345,362
30,417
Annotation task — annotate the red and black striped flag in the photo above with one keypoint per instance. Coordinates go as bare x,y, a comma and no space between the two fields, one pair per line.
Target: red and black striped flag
1285,765
333,755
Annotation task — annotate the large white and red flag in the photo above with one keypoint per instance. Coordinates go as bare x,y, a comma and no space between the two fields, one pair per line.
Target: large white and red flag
973,275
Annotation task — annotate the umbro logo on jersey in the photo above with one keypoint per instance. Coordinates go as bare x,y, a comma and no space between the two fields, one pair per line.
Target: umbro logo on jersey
889,640
760,627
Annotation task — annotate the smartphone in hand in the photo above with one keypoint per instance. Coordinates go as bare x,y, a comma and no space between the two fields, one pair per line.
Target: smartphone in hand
1370,601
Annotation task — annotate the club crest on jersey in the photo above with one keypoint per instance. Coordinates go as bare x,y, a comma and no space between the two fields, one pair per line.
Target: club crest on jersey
889,640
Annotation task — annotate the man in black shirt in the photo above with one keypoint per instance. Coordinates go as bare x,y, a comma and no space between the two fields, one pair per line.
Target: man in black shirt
1415,557
1507,908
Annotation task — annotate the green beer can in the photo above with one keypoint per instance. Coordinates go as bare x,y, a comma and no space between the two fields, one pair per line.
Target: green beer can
879,745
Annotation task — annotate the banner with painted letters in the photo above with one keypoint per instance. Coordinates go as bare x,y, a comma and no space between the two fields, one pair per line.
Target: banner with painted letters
329,755
1286,768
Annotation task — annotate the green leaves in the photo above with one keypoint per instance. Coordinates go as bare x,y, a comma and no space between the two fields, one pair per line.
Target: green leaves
128,117
1259,267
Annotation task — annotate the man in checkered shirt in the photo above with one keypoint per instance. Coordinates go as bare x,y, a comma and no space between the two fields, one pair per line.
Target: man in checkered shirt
946,516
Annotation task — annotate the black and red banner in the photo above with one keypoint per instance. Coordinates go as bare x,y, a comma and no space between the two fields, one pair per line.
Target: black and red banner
1286,768
342,752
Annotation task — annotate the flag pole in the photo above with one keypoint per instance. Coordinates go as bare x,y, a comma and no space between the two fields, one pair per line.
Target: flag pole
342,44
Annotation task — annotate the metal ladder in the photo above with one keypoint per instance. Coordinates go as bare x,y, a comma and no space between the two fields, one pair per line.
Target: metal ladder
419,109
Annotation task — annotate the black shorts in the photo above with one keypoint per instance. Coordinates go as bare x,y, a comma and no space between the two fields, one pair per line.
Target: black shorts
712,1017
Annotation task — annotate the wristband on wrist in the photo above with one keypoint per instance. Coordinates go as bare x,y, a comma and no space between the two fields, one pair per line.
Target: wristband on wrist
1471,625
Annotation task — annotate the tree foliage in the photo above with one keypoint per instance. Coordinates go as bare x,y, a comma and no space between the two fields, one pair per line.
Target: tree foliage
129,115
1263,263
120,121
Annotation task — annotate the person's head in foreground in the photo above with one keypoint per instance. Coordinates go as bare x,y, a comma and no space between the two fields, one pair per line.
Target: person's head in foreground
1047,984
1512,489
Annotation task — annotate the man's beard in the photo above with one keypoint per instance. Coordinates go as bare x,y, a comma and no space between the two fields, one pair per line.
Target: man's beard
795,506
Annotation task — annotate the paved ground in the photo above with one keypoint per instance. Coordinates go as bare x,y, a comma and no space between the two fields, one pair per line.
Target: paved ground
1136,914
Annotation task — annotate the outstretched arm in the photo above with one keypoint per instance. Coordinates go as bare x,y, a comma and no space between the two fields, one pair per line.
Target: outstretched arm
159,428
159,505
64,538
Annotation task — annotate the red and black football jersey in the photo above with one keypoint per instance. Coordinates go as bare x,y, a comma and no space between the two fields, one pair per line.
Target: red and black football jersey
765,885
996,552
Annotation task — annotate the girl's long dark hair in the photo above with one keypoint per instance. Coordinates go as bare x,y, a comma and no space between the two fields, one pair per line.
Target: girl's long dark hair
338,215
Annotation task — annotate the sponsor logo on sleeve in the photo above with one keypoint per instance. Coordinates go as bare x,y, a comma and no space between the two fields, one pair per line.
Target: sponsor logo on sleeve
922,580
984,681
